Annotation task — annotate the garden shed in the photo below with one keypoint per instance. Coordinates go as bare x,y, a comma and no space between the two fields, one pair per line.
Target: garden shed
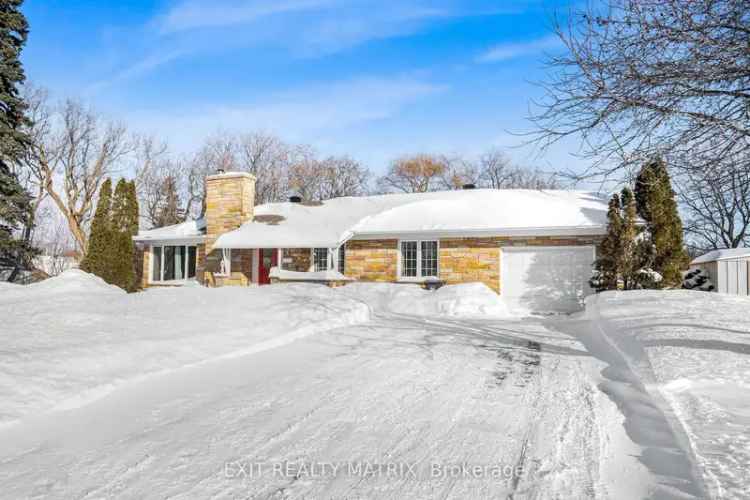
728,268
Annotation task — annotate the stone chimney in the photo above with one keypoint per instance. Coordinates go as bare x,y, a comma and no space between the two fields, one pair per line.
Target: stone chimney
230,198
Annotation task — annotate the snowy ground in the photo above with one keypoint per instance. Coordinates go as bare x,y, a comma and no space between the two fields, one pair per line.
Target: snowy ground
400,393
691,354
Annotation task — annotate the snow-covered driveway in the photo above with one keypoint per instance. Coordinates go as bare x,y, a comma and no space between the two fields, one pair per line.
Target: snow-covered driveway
368,391
400,407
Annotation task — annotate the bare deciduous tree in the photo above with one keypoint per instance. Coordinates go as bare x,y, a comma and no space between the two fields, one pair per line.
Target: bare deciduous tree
497,171
645,78
266,157
72,151
716,206
415,174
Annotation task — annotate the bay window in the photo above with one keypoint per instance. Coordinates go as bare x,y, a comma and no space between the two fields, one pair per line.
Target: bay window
419,259
173,262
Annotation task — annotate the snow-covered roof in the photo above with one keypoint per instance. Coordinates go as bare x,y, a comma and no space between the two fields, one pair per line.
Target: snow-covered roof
192,230
472,212
723,254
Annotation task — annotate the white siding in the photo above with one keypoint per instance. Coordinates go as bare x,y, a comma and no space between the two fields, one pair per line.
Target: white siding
731,276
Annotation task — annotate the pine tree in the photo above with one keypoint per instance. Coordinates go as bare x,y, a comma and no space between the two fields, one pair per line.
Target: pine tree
98,255
15,203
170,212
657,206
608,261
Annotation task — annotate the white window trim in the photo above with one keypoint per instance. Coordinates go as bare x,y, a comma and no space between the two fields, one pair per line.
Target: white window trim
151,259
331,258
418,278
225,262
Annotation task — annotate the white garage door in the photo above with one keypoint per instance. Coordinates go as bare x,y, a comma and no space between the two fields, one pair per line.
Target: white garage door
546,279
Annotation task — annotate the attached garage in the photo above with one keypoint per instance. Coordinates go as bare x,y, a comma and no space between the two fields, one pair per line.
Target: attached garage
546,279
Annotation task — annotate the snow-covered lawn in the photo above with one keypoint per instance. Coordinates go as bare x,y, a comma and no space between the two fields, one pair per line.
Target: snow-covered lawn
293,391
73,338
691,352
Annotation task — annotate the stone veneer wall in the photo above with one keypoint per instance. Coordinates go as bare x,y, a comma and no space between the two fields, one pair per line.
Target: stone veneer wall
241,273
465,260
229,203
143,257
300,259
371,260
462,260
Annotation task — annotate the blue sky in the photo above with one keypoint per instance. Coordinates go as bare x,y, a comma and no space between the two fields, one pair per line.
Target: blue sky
373,79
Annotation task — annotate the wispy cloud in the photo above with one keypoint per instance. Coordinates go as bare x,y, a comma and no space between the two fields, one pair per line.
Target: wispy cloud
303,115
505,51
196,14
138,68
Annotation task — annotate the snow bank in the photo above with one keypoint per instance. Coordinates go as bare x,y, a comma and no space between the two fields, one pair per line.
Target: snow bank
73,338
469,299
690,350
328,275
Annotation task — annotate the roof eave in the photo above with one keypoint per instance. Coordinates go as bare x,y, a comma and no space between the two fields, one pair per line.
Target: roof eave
457,233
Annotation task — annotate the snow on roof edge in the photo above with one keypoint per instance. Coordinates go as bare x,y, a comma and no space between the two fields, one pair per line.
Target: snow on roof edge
722,254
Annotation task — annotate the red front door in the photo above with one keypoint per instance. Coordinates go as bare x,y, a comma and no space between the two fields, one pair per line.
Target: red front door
268,259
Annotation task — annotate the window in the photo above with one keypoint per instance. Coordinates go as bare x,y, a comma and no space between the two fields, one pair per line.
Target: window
342,258
225,265
419,259
429,258
320,259
173,262
409,259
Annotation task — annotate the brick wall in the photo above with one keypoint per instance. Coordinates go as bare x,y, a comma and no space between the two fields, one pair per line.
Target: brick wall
300,259
241,273
462,260
229,204
371,260
144,259
469,260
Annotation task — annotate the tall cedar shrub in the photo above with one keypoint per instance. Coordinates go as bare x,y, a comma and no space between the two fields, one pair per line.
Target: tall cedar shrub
629,263
657,206
131,229
607,262
16,213
98,259
123,249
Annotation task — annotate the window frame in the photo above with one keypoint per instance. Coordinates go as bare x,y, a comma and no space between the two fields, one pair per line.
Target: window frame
418,278
185,266
314,260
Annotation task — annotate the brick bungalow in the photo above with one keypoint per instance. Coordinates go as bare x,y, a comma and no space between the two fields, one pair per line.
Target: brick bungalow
535,248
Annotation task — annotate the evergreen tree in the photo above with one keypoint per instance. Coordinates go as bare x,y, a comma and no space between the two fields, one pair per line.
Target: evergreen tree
16,251
98,254
657,206
170,212
608,262
629,263
123,249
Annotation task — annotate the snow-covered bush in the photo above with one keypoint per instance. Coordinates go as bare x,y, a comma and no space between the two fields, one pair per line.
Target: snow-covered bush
698,279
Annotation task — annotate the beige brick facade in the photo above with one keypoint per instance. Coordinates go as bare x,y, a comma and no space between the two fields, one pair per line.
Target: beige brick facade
240,271
461,260
469,260
144,257
229,203
296,259
371,260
